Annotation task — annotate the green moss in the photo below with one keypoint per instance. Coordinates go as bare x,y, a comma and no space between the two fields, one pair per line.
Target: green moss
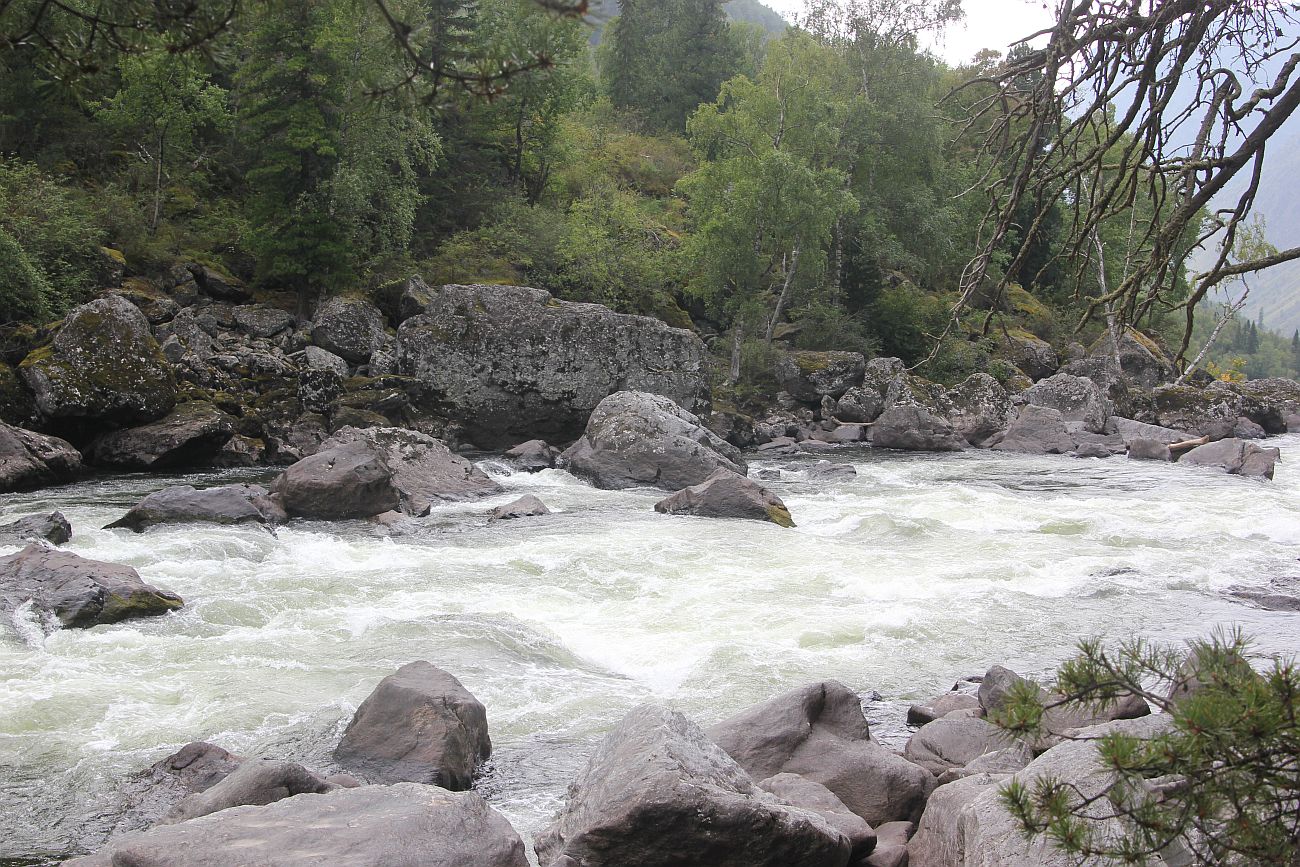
116,255
780,516
811,362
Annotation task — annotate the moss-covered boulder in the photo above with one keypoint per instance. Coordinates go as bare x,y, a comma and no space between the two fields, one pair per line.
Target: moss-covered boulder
1269,402
810,376
1143,361
16,406
104,366
1212,411
190,436
1034,356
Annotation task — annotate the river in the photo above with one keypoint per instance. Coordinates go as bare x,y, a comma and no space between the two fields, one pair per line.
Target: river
920,570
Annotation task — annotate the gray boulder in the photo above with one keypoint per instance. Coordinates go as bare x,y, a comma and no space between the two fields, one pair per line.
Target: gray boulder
637,439
215,284
914,428
980,408
1032,355
818,732
1245,429
72,591
891,845
823,471
103,366
1211,411
509,362
370,826
53,528
1131,430
811,376
190,436
953,742
526,506
880,373
1037,430
151,795
349,327
315,358
1235,457
256,320
257,783
1000,683
185,504
30,460
1076,398
725,494
318,388
420,725
859,404
1148,450
1141,359
658,793
424,470
940,706
909,390
796,791
533,456
966,825
1268,402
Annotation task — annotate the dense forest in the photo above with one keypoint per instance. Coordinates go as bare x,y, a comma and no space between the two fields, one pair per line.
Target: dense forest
807,188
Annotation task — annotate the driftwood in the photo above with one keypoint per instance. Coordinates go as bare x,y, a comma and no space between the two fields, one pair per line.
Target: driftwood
1187,445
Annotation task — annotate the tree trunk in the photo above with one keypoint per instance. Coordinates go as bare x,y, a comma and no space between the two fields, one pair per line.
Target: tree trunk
737,337
157,183
1112,326
785,292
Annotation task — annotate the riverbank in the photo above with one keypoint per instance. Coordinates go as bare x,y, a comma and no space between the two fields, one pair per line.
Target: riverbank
917,571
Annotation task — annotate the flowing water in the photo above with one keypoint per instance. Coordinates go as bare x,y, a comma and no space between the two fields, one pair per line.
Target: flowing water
920,570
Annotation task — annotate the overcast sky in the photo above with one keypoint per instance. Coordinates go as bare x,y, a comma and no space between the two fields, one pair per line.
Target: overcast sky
989,24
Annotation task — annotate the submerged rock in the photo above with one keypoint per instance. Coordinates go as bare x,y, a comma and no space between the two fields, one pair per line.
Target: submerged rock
725,494
1149,450
370,826
509,362
818,732
190,436
659,793
1235,457
420,725
637,439
75,591
185,504
53,528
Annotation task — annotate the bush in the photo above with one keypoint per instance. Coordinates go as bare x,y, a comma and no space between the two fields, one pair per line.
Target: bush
24,292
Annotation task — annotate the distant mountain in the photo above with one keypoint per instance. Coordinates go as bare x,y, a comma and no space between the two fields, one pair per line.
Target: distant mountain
750,11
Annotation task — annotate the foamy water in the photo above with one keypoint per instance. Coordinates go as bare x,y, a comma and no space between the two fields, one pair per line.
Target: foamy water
920,570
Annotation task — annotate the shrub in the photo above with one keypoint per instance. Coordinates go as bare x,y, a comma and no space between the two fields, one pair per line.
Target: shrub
24,292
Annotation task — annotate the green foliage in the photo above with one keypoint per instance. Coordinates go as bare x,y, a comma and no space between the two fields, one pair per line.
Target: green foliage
1222,781
25,294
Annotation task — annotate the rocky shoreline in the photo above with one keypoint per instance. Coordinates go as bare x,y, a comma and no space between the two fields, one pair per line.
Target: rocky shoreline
368,412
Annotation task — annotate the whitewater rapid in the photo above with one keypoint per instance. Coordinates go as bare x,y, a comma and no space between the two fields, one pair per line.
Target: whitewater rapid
920,570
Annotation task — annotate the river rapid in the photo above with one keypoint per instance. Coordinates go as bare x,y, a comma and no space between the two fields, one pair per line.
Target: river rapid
920,570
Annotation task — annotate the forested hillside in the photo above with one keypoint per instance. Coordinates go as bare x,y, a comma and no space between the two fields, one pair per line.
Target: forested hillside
799,190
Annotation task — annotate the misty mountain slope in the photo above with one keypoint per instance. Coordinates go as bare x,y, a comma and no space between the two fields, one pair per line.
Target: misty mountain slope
750,11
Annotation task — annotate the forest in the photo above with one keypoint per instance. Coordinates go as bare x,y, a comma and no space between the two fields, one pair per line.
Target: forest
805,187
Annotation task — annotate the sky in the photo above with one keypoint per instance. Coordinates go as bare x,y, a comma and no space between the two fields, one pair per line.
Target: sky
988,24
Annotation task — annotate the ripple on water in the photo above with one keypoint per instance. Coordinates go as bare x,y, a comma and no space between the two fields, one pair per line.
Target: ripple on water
917,571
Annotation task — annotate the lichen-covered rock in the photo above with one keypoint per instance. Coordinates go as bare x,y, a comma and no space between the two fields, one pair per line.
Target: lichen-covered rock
1268,402
879,373
419,725
30,460
810,376
915,428
370,826
185,504
1076,398
818,732
658,793
104,366
637,439
1037,430
1211,411
155,304
508,362
190,436
1141,359
349,327
860,404
910,390
1032,355
76,592
980,408
218,285
1235,457
318,388
725,494
315,358
257,320
54,528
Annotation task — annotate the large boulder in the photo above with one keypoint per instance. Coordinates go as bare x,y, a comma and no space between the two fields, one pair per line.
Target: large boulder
370,826
1268,402
658,793
1211,411
509,362
796,791
915,428
256,320
954,742
1141,359
30,460
533,456
419,725
1000,683
1235,457
818,732
979,408
966,825
1034,356
1076,398
860,404
527,506
637,439
190,436
725,494
359,473
185,504
256,782
810,376
1130,430
53,528
152,794
349,327
103,366
1037,430
71,591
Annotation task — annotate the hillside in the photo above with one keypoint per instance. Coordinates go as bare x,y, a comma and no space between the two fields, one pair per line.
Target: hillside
749,11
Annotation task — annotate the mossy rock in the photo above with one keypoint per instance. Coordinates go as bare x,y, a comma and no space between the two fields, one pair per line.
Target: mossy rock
16,405
102,365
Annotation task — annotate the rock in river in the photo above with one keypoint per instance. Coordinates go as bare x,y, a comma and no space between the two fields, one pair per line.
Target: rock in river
725,494
185,504
76,591
31,460
190,436
53,528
